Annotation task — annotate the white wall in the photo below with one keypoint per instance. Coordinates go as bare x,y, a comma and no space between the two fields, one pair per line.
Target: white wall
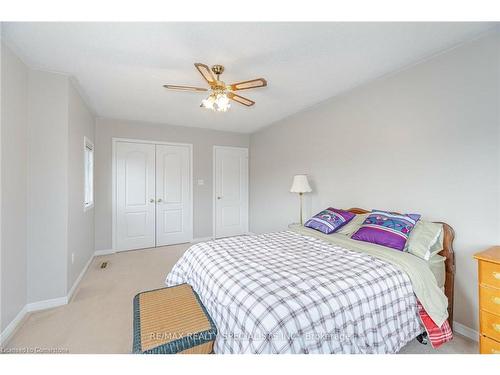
48,186
203,141
44,120
422,140
14,183
58,225
80,223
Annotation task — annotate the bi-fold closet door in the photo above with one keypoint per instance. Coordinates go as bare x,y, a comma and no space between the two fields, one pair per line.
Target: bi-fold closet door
153,195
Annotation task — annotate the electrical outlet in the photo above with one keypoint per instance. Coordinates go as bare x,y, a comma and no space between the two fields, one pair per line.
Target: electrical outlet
72,258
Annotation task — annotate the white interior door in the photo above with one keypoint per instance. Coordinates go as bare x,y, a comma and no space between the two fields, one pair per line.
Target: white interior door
173,195
231,191
135,195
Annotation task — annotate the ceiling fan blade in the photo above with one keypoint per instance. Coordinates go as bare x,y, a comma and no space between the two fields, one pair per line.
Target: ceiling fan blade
206,73
184,88
240,99
245,85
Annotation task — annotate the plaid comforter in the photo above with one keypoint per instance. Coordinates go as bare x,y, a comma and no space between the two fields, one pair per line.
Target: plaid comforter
288,293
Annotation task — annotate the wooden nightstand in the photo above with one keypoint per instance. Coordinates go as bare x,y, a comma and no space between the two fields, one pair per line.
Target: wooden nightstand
489,300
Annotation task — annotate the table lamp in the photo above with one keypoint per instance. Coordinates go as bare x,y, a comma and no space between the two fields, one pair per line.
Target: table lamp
300,185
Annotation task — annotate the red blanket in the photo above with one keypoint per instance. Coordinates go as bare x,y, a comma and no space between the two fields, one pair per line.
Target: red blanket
437,335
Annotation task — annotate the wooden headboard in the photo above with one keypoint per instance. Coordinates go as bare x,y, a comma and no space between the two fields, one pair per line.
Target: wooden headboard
447,252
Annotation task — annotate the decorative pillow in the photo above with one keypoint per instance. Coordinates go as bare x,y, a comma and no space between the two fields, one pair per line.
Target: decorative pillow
353,225
387,229
329,220
425,239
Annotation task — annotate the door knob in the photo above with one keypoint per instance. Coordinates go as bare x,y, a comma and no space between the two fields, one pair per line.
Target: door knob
219,197
151,200
159,200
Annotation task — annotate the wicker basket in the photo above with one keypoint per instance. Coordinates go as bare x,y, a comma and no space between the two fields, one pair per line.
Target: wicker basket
172,320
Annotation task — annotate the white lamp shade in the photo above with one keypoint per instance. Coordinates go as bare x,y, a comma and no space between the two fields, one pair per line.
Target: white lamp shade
300,184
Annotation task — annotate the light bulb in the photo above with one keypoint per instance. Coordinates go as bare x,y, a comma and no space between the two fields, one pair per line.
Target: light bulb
216,102
222,103
208,102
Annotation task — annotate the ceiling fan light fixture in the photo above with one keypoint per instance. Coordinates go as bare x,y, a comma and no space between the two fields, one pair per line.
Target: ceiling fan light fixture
218,102
221,94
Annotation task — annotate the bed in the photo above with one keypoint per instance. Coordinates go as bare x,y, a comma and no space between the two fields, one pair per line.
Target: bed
297,291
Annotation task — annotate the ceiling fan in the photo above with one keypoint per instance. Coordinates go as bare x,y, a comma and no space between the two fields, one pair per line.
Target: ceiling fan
220,93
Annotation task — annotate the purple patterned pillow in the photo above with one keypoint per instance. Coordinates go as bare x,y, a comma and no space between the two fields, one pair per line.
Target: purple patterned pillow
387,229
329,220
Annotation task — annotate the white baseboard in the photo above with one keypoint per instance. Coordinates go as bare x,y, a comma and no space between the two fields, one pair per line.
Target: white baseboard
30,307
79,278
99,253
42,305
202,239
13,325
46,304
465,331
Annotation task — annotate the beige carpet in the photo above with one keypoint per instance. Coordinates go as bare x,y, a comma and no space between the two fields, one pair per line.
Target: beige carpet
99,317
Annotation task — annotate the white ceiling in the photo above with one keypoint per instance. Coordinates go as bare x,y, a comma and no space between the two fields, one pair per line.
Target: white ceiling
121,67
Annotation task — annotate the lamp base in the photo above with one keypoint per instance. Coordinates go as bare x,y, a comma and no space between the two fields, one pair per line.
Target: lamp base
301,219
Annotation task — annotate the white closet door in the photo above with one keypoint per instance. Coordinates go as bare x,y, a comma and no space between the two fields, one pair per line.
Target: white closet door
231,191
135,195
173,195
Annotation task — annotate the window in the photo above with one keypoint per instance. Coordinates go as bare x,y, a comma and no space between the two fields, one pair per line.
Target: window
88,156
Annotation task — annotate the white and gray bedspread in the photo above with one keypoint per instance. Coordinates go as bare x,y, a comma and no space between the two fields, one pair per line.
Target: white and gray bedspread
285,292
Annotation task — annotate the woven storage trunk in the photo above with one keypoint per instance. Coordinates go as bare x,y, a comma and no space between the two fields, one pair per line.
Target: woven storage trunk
172,320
